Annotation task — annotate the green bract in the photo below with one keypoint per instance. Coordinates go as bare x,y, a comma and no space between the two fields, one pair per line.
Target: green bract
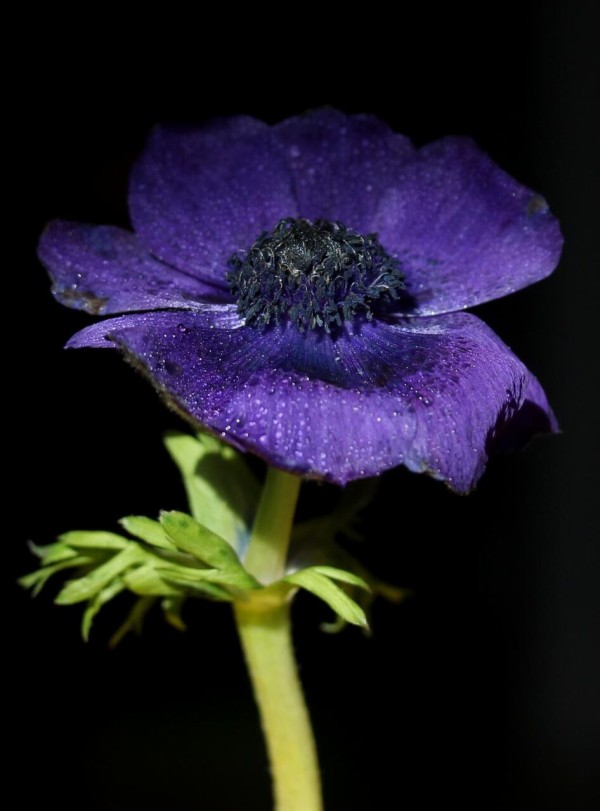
200,555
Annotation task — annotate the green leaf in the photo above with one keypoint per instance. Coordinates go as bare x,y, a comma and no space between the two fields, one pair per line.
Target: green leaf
89,539
199,541
238,580
203,588
343,576
172,607
53,553
222,491
38,579
321,586
86,587
146,581
134,621
314,544
96,603
148,530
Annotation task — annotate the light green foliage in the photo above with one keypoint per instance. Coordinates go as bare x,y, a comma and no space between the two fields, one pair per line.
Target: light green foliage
182,556
314,544
222,491
173,558
319,581
192,562
199,541
148,530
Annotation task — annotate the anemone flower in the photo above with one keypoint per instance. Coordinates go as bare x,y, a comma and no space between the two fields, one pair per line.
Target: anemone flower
297,290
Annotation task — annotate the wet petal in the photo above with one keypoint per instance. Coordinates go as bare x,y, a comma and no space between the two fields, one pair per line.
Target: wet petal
342,165
465,231
434,394
102,269
534,417
199,195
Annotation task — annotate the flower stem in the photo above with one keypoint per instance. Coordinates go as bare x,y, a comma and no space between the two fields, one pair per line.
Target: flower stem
267,552
265,631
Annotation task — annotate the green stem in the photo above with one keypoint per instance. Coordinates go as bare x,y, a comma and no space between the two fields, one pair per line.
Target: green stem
264,626
267,642
267,552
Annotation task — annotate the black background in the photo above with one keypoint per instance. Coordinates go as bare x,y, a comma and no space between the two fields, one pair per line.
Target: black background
483,689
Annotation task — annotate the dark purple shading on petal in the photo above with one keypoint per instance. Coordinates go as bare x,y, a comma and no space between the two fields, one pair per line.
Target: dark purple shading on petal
428,393
102,269
342,165
465,231
534,417
199,195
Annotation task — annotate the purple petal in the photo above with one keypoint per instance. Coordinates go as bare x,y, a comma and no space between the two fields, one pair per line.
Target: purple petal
430,393
199,195
465,231
342,164
103,334
103,270
534,417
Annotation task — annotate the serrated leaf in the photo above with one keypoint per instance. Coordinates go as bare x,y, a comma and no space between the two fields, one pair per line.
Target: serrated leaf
314,545
92,539
84,588
204,588
95,604
222,491
342,575
172,607
53,552
38,579
134,621
321,586
148,530
146,581
240,580
199,541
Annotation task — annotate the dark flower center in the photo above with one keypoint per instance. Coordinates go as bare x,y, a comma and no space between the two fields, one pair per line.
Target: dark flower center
316,274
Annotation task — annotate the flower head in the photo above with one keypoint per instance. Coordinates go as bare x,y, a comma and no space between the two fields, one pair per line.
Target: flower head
297,291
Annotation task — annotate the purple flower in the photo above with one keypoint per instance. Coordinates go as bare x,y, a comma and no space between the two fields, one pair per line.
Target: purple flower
296,290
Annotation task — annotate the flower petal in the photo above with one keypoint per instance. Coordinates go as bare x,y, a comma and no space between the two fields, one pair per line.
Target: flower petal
102,270
342,164
465,231
199,195
433,393
534,417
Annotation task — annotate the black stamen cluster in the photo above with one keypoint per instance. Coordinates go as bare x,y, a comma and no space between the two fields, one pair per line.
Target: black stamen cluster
316,274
